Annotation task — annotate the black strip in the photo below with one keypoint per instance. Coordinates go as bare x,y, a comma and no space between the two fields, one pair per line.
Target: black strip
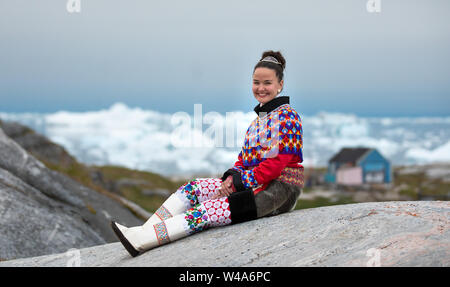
272,105
260,275
242,206
227,173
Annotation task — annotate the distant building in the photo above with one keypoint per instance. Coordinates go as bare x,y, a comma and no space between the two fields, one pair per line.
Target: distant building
358,166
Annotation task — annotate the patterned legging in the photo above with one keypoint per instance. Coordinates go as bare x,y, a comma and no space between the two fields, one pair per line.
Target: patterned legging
201,211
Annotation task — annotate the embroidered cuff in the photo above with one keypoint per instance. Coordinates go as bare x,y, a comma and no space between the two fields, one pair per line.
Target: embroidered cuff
238,168
248,179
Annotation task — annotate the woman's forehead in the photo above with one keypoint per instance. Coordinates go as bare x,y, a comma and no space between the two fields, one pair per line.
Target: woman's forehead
264,74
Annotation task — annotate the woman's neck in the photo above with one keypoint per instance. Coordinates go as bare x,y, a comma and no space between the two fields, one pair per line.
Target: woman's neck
262,104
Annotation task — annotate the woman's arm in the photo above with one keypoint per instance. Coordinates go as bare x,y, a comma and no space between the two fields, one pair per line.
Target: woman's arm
267,170
235,172
289,151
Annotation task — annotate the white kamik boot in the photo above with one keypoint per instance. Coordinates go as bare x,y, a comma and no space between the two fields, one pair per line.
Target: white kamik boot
171,207
139,239
134,239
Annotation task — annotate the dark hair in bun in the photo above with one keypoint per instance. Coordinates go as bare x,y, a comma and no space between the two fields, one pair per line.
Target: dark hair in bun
279,68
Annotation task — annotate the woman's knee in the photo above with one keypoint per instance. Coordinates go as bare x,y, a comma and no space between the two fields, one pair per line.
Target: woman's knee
279,197
291,201
211,213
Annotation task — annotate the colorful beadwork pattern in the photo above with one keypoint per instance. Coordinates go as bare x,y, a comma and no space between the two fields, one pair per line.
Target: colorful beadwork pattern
199,190
163,213
209,188
292,176
248,178
218,211
190,191
161,233
238,168
289,175
211,213
280,131
196,218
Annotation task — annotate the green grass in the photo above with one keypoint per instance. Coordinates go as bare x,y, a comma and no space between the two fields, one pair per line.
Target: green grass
416,182
435,187
307,189
412,184
410,192
81,174
149,202
134,193
322,201
154,180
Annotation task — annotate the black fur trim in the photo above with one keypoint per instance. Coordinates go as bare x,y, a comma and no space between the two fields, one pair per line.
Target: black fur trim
242,206
237,180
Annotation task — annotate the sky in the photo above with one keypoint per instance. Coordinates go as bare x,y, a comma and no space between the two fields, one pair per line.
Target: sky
169,55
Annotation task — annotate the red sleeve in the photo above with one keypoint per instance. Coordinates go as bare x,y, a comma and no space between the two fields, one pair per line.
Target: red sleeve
236,172
239,163
271,168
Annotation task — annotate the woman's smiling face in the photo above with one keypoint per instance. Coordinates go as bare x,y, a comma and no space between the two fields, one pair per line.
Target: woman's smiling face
265,85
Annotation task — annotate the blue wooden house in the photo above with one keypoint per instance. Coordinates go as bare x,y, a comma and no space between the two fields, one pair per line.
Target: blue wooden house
356,166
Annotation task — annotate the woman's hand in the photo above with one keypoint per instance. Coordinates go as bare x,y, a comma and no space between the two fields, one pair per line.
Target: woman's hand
225,189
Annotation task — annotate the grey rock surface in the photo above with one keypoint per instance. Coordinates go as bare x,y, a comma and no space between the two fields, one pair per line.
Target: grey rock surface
365,234
43,211
36,144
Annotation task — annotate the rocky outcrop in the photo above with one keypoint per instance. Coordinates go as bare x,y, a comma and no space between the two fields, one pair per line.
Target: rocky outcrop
43,211
37,145
412,233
